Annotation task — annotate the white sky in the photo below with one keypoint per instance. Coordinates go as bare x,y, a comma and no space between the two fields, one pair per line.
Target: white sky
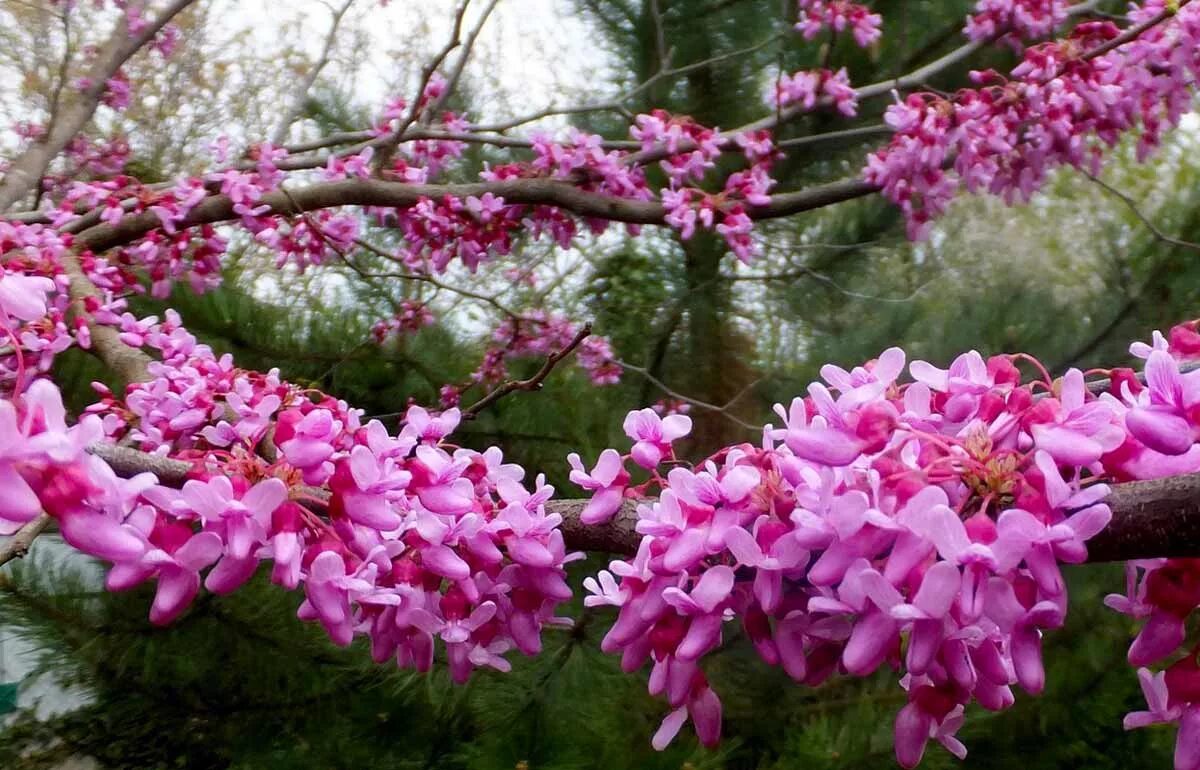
531,54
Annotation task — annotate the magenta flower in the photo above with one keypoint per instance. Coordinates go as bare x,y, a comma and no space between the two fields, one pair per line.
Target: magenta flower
1162,421
22,298
241,522
329,591
927,715
178,574
423,426
1082,431
703,707
652,435
1158,698
703,606
362,487
437,481
1023,620
607,482
307,441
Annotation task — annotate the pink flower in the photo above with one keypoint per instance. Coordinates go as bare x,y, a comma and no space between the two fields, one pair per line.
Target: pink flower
652,435
330,589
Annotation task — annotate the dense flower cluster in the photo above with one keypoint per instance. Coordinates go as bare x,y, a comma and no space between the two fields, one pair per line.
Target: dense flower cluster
808,88
405,539
1062,106
919,525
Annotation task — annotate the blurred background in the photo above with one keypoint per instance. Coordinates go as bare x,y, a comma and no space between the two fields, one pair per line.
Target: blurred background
1072,278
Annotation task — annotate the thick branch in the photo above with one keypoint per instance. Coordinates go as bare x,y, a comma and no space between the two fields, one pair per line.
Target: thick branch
374,192
129,363
1150,518
28,168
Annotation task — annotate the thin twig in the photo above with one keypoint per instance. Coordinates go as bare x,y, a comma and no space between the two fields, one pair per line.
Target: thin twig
460,65
1132,205
414,110
18,545
429,279
722,410
534,382
301,94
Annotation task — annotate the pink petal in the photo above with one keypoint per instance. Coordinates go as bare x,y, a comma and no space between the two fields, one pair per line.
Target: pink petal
230,574
100,536
869,643
199,551
675,426
371,510
603,506
176,589
939,589
744,547
939,525
1187,742
1027,659
823,445
642,425
669,729
687,549
713,587
1161,636
646,454
529,552
879,590
264,497
18,503
1160,430
739,482
608,467
911,735
445,498
1066,446
702,636
443,561
705,710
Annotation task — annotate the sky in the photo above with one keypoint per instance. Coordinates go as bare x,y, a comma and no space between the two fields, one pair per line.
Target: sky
531,53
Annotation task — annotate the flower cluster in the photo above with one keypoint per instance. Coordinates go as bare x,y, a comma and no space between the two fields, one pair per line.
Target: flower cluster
540,334
919,525
695,149
411,317
808,87
404,538
1016,20
839,15
45,466
1062,106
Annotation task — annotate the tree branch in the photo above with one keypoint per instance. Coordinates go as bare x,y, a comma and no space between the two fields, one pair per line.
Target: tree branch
302,90
1150,518
18,545
375,192
27,169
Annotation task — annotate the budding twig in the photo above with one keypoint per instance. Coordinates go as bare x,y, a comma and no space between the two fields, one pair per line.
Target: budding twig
534,382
